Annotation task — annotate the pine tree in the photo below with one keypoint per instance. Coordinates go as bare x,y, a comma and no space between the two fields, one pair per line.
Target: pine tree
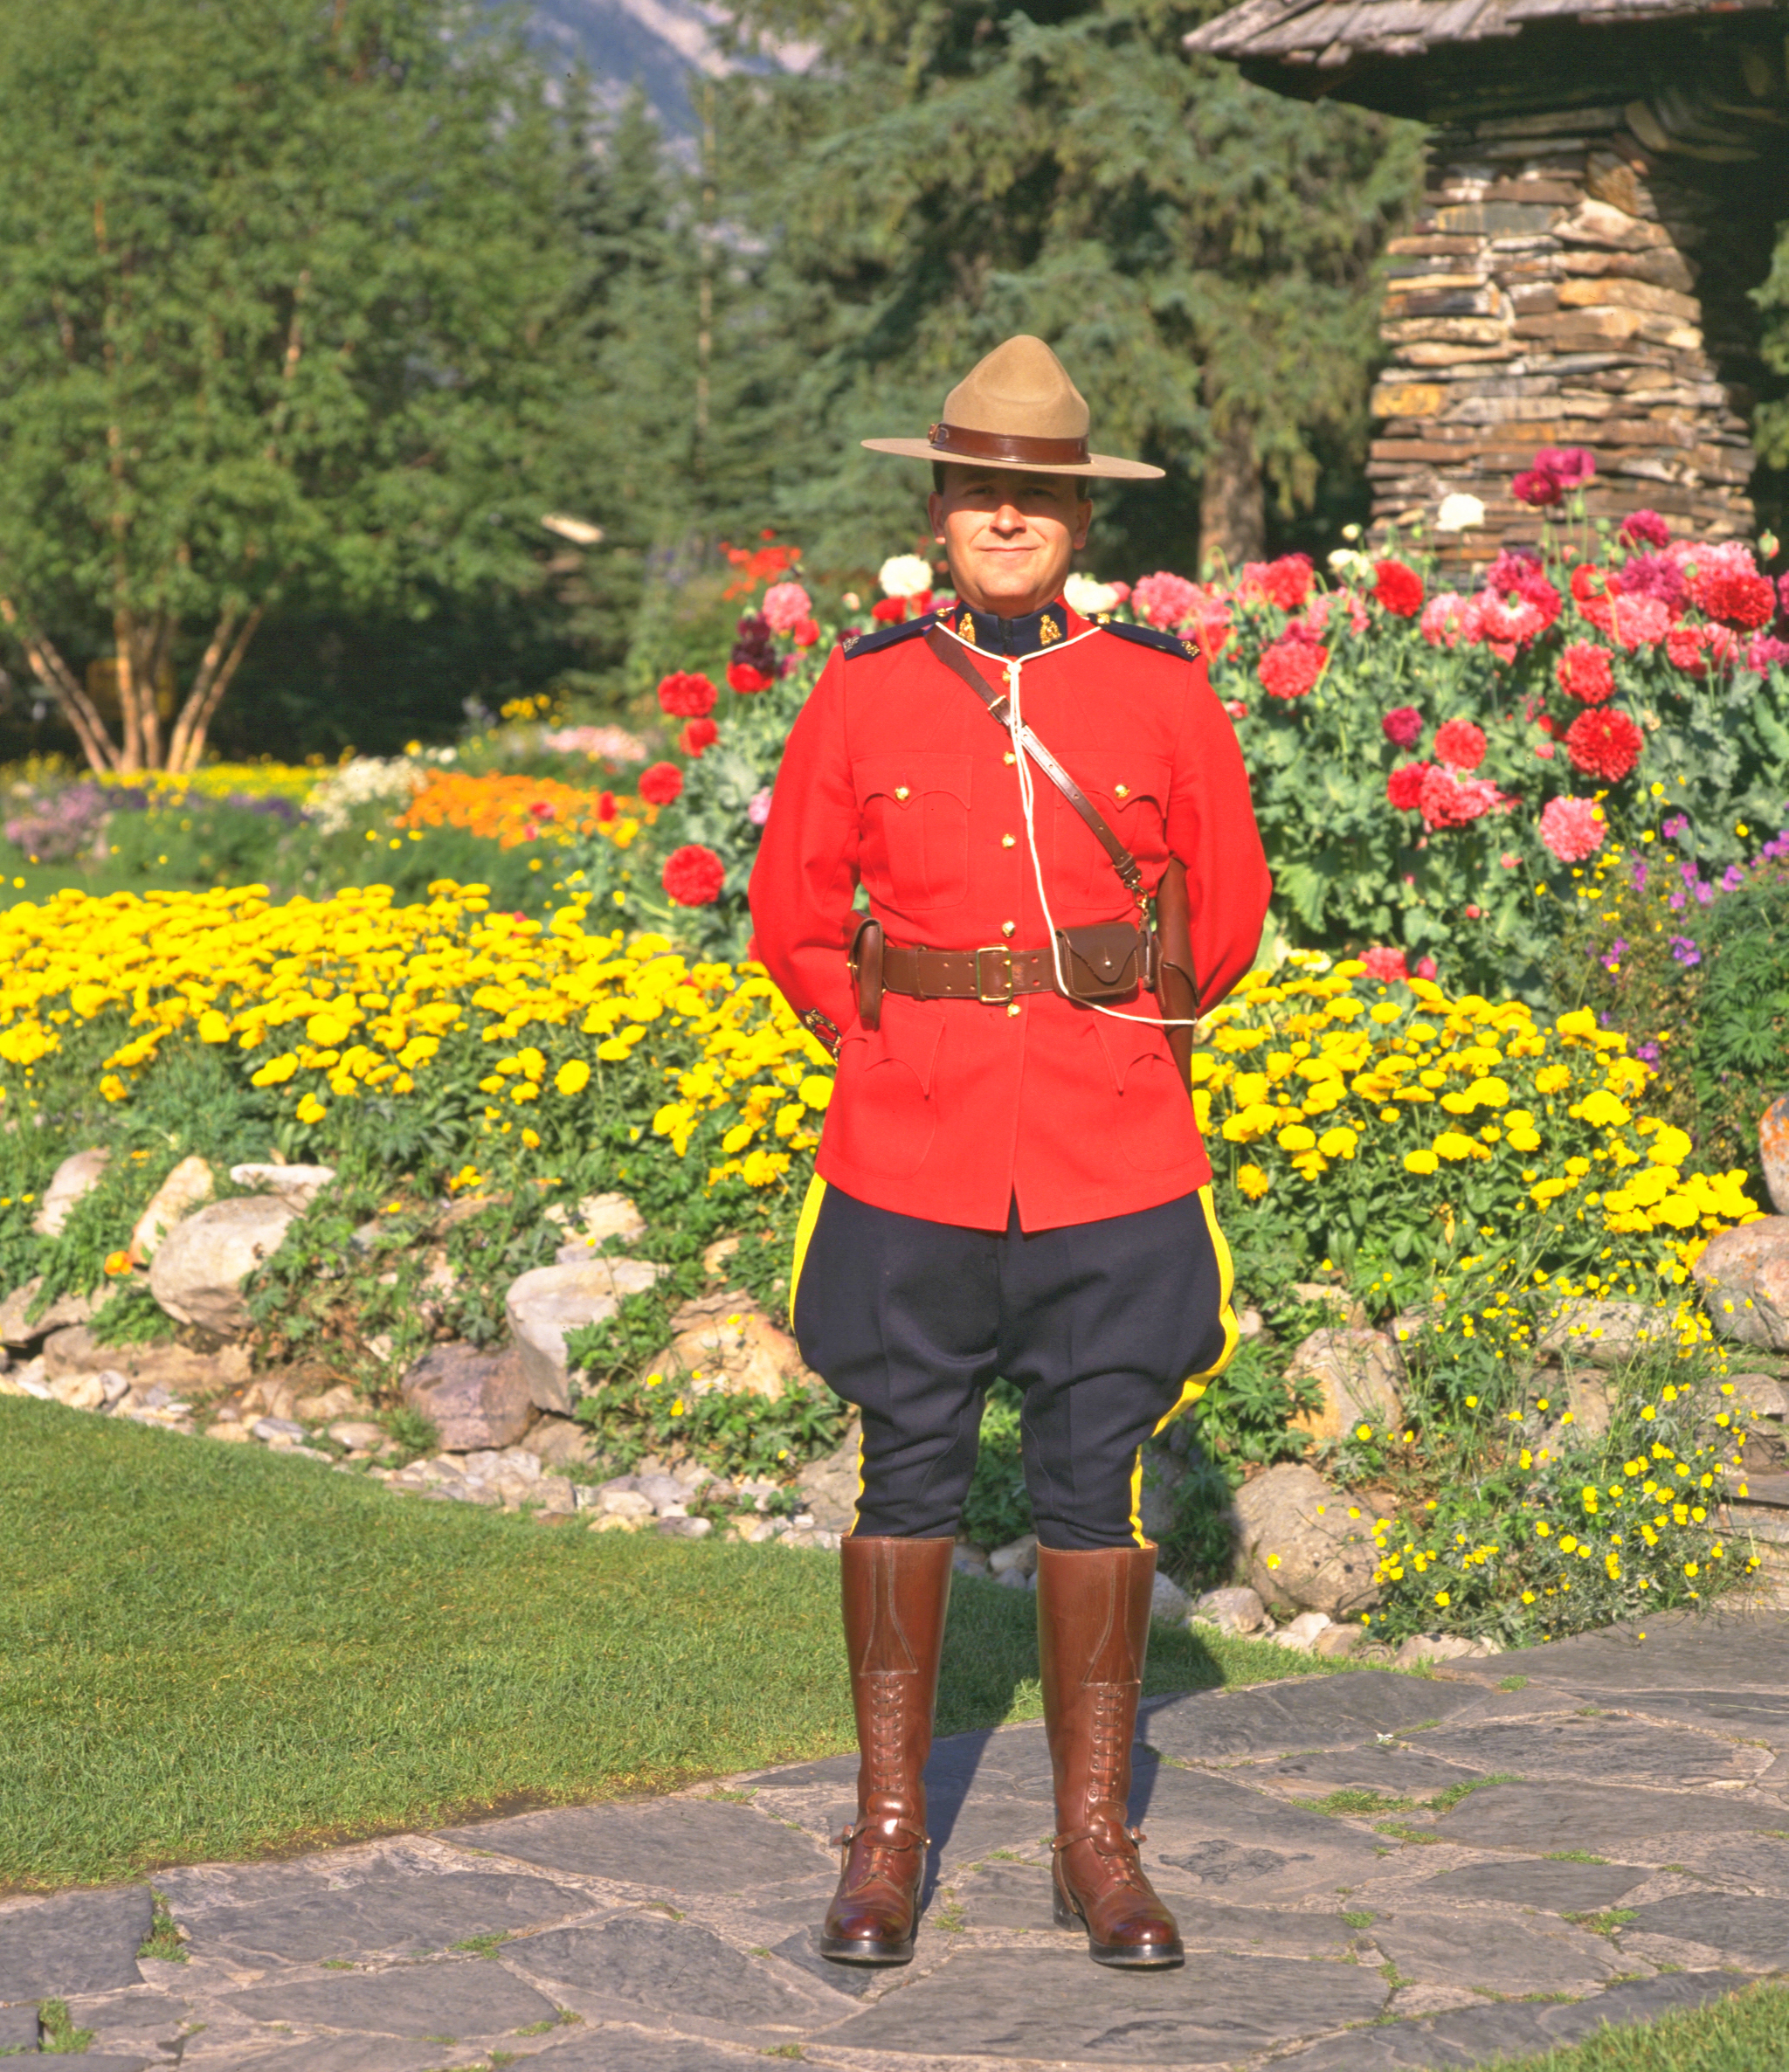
1201,253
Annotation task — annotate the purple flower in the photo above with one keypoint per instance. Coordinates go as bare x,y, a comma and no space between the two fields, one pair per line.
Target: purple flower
1732,878
1638,875
1614,954
1647,1052
757,810
1685,951
1688,871
1677,826
1652,575
1705,893
1676,901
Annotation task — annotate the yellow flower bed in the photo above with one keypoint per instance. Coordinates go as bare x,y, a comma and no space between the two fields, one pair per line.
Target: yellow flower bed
220,780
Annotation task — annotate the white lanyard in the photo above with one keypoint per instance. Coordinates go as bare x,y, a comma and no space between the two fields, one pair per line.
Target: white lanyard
1018,732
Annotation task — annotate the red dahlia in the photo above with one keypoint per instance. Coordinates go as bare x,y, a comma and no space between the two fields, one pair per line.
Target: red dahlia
685,696
660,783
746,679
1586,673
698,736
693,876
1460,744
1737,600
1402,726
1604,743
1290,668
1398,588
1285,581
606,808
1404,786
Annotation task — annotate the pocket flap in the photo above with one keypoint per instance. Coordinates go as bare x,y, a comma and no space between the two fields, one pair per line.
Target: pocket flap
904,780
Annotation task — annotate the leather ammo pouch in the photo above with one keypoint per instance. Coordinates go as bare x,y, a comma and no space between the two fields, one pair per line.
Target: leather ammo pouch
865,957
1108,960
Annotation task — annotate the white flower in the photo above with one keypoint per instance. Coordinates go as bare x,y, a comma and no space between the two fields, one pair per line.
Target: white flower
904,576
1459,512
346,793
1347,561
1083,595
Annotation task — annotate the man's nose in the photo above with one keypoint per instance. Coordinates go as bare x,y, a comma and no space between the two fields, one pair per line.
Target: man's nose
1009,518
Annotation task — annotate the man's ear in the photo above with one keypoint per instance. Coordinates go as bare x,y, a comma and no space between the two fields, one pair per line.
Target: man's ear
1083,522
935,515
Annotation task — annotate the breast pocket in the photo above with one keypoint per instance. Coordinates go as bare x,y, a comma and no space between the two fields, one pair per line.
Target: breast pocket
915,811
1131,795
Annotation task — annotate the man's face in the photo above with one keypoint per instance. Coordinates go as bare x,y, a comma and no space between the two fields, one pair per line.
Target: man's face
1009,536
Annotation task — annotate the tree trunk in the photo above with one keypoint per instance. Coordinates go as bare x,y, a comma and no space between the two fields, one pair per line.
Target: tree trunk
1232,511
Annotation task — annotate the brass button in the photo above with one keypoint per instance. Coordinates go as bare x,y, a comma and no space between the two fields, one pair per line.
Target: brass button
1007,840
1009,758
901,791
1124,790
1007,926
1012,1007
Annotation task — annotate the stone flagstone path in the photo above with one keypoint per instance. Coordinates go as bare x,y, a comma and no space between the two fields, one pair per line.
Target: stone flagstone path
1605,1840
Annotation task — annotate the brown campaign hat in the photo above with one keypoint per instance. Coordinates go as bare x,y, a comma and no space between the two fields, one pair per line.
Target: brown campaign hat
1017,409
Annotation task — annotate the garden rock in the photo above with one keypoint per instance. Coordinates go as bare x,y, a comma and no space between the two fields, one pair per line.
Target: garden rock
16,1331
1603,1334
1358,1372
1304,1632
1299,1548
1167,1601
1743,1275
299,1184
1335,1641
1773,1152
271,1431
475,1400
77,1174
337,1402
597,1217
85,1391
716,1256
542,1306
623,1503
198,1270
828,1487
1020,1556
1348,1311
75,1350
358,1435
685,1528
1235,1610
726,1342
186,1188
559,1442
1443,1647
664,1492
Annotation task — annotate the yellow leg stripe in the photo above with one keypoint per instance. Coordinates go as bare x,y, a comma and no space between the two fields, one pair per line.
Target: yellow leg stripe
1137,1531
804,1232
1195,1385
856,1500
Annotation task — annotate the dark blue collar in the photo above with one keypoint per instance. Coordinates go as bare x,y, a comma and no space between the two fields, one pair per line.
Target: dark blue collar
1036,630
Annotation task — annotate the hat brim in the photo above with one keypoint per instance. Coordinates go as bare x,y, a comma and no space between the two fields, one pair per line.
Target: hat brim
1106,465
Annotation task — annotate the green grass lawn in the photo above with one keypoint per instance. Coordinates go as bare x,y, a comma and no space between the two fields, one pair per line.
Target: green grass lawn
1747,2033
208,1652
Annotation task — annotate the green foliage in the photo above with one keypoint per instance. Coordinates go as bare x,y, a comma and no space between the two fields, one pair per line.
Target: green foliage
1201,252
164,1940
59,2036
287,304
733,1434
998,1509
131,1316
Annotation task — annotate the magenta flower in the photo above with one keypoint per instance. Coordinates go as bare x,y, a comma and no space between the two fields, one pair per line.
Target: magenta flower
1402,726
1572,828
1644,528
1387,966
1533,487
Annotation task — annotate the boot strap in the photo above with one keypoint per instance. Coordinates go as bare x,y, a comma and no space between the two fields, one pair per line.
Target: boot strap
889,1832
1106,1836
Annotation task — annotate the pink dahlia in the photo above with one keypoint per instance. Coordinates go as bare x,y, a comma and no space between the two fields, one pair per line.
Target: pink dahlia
785,606
1534,487
1449,801
1569,467
1404,786
1640,621
1572,828
1443,620
1688,648
1586,673
1644,528
1290,668
1165,600
1460,744
1386,966
1767,651
1604,743
1285,581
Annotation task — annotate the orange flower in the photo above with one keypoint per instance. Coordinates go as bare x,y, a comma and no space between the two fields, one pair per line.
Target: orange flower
510,810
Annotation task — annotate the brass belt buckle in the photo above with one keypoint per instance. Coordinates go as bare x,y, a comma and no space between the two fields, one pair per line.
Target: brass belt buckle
981,993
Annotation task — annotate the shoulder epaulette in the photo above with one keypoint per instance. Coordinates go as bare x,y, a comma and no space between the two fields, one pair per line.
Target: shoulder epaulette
909,629
1174,644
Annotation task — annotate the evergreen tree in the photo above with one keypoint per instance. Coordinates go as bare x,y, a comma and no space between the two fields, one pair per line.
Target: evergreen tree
1202,254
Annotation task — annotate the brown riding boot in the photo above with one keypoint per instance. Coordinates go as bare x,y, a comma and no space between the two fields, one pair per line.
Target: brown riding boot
1093,1632
896,1594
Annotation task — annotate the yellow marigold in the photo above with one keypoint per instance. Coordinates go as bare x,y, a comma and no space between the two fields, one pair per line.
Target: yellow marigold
1252,1181
572,1077
1420,1162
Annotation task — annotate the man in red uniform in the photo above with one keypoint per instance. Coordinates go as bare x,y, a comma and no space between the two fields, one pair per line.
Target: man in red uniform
1010,1181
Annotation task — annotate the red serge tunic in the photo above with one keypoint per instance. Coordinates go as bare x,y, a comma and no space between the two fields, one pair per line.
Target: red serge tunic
894,775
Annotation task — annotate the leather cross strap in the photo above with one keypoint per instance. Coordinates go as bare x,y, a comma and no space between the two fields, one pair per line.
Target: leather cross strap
950,653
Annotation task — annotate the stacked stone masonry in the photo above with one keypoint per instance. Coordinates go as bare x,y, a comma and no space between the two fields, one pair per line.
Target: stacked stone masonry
1547,295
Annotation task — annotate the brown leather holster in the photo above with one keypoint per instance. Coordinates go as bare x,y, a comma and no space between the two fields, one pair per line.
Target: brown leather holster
865,957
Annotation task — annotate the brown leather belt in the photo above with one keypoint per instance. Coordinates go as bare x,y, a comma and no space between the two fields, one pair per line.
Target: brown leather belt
992,975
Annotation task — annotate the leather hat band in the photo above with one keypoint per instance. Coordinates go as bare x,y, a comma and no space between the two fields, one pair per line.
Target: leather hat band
1009,446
